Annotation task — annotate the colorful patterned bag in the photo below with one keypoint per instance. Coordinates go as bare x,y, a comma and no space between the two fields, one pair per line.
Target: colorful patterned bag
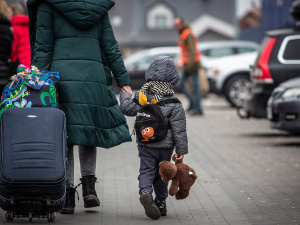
30,88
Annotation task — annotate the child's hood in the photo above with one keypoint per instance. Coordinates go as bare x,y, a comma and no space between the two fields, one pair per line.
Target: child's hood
162,69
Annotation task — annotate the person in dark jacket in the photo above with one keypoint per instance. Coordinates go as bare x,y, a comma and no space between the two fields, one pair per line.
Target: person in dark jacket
161,76
190,63
76,39
6,39
21,44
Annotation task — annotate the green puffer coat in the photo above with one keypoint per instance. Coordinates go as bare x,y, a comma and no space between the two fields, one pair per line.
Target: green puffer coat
76,39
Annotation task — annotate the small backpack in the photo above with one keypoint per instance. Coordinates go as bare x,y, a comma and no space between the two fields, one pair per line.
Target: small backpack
150,125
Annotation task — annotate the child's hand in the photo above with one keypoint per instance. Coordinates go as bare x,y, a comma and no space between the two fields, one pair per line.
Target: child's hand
127,89
178,157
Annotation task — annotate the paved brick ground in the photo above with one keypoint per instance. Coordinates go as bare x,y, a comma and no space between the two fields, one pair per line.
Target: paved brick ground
248,174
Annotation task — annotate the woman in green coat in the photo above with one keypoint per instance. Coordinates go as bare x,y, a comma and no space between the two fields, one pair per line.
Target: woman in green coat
76,39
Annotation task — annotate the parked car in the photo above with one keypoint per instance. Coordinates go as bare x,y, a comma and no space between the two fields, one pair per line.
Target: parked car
230,76
283,108
138,62
278,60
218,49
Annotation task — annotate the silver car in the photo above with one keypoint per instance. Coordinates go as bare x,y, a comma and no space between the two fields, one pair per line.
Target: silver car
138,62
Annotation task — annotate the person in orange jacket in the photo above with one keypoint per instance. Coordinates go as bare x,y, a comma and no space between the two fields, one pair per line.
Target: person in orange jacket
190,63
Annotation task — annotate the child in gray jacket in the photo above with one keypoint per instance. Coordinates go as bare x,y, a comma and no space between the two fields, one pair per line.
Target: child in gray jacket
161,76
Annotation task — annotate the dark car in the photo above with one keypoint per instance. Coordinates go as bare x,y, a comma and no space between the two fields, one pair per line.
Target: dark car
283,109
278,60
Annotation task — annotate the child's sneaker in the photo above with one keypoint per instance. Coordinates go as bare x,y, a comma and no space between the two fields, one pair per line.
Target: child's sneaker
162,206
151,209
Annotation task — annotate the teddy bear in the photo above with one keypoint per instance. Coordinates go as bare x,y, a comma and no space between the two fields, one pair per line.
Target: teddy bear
182,176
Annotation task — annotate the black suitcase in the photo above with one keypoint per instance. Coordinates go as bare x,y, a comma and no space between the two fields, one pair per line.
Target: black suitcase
32,162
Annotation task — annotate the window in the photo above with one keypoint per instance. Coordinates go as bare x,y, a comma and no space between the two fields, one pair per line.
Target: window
160,16
144,63
292,50
289,50
245,50
220,52
160,22
205,52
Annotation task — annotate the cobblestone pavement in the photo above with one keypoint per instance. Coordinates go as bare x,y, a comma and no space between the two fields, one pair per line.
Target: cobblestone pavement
247,174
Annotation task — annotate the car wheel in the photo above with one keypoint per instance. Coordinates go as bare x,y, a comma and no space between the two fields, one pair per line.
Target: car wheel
236,89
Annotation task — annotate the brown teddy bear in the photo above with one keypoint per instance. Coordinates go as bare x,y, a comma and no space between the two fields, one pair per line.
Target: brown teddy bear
182,176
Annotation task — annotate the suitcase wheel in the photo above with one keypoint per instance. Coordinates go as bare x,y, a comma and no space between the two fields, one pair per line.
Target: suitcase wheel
51,217
9,216
30,216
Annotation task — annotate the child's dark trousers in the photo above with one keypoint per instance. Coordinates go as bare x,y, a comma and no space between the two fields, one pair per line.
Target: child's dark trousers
149,177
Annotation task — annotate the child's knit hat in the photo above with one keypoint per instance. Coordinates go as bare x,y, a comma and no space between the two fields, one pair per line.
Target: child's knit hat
162,69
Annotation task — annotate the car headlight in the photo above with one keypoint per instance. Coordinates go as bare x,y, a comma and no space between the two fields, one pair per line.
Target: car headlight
292,92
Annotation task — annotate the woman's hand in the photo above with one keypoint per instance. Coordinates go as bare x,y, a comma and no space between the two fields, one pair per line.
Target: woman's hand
127,89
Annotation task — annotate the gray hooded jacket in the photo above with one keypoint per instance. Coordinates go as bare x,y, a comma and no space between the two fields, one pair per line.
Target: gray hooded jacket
162,69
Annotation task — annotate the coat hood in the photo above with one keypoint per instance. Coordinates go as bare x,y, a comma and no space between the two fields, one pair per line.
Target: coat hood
83,14
162,69
21,20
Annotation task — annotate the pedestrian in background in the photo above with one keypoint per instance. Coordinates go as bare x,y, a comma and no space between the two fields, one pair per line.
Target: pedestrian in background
21,45
161,76
190,64
6,39
76,39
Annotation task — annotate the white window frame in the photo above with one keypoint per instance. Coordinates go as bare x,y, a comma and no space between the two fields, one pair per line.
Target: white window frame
282,50
166,11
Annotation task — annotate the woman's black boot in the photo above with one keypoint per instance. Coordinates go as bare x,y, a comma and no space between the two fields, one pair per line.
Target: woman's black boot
88,191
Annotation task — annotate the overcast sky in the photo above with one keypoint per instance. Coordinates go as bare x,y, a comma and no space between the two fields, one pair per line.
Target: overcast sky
242,6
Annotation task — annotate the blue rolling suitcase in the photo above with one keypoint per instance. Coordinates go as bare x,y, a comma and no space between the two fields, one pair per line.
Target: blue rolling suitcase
32,162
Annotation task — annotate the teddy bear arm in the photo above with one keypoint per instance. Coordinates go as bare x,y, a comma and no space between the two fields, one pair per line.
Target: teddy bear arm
174,187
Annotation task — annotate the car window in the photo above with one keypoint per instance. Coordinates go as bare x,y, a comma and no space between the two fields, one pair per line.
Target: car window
145,62
205,52
245,50
289,50
220,52
135,57
292,50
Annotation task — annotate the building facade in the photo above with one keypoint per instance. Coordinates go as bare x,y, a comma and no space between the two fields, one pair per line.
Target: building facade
141,24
